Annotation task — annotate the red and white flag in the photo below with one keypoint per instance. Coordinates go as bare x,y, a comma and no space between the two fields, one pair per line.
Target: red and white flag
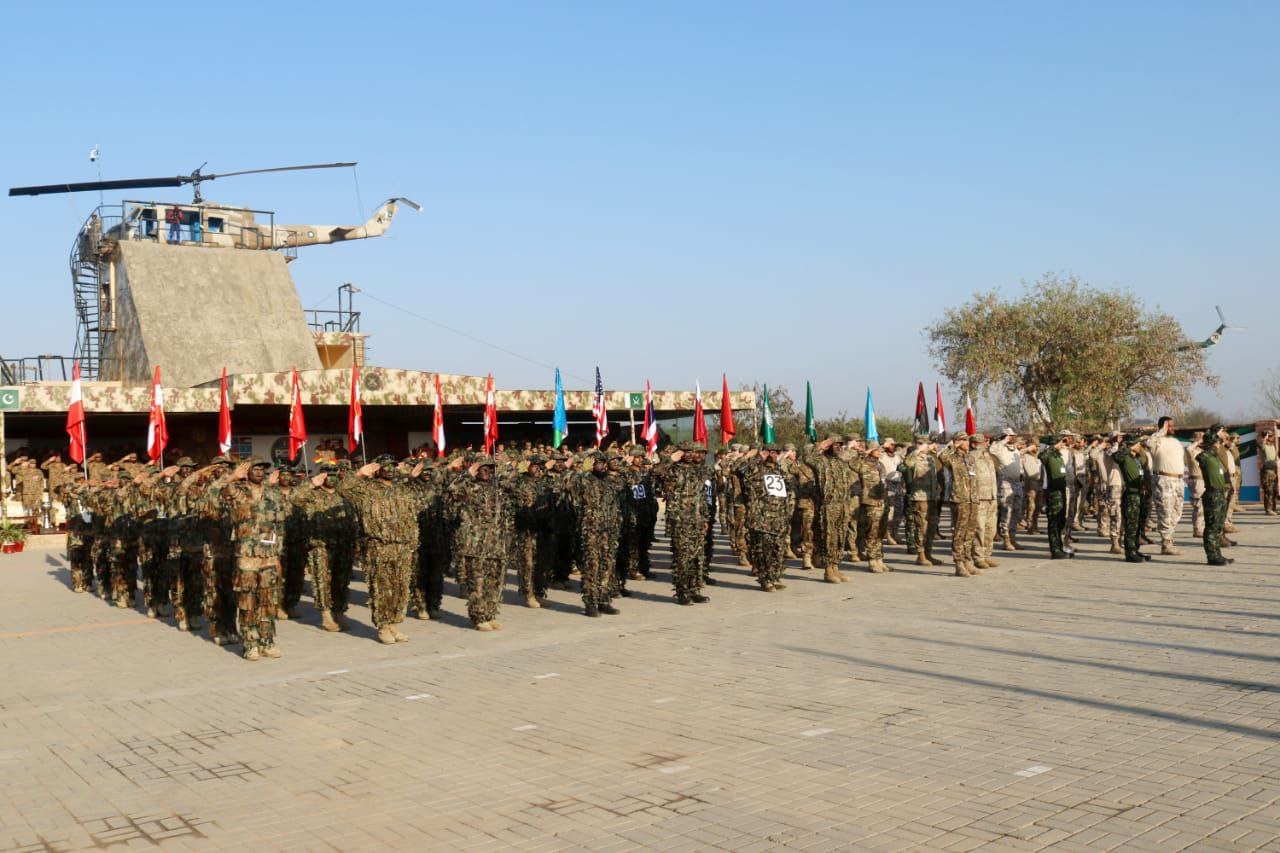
437,422
699,418
157,432
490,418
297,426
650,432
970,423
598,414
224,419
727,429
355,414
75,418
939,413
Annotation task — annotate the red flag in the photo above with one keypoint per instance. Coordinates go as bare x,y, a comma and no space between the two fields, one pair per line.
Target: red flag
355,415
650,432
939,413
224,419
297,426
75,418
970,426
490,418
437,424
727,429
157,432
699,419
598,413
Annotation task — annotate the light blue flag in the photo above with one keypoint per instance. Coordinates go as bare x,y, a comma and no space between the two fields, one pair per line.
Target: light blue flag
873,434
559,420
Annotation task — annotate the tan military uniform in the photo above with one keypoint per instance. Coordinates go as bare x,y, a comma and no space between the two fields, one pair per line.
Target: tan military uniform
987,510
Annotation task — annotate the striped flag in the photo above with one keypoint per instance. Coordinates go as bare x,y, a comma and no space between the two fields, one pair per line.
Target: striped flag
490,417
939,413
224,418
650,433
355,414
598,413
75,418
437,421
157,431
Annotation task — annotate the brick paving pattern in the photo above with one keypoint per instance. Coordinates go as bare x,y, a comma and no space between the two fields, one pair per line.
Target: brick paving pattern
1082,704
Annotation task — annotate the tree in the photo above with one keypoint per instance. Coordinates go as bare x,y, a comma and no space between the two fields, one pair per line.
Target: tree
1067,354
1269,388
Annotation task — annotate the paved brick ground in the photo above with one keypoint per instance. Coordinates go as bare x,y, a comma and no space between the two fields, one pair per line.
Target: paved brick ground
1082,704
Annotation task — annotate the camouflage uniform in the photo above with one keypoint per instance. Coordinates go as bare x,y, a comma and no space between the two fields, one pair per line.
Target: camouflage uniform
388,517
203,495
834,480
633,546
1055,499
30,488
531,507
688,517
75,496
921,478
871,500
482,529
986,507
802,519
293,550
1134,475
157,584
122,531
331,526
1217,481
257,515
961,492
185,556
769,496
598,503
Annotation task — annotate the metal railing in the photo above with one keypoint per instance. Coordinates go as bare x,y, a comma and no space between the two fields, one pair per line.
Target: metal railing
36,368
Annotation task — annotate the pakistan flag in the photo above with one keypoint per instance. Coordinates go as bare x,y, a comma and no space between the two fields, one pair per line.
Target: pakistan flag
766,420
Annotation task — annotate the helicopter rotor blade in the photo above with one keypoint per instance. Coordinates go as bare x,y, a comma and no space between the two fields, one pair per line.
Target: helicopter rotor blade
1220,315
211,176
130,184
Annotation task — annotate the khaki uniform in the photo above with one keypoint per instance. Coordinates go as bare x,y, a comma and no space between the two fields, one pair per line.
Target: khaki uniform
1169,470
1010,492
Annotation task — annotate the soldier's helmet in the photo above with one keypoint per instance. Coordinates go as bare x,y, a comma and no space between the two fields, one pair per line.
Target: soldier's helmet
1133,438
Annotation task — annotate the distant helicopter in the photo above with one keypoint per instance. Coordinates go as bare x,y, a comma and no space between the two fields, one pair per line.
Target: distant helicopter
1214,338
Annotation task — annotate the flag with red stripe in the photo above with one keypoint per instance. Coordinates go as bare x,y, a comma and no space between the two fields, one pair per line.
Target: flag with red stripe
355,412
76,432
157,431
490,418
224,418
437,421
650,421
598,413
297,425
699,418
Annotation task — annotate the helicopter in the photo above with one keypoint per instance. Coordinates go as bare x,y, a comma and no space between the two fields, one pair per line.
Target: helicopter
1214,338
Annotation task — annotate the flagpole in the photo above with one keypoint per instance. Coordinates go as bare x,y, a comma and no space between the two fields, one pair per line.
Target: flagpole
631,413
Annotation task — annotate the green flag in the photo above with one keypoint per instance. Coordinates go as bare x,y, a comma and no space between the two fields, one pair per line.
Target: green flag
810,423
766,420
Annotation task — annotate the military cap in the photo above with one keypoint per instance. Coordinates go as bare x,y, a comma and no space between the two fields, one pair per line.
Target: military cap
1133,438
1054,438
789,446
343,464
613,453
636,451
487,462
597,454
1216,428
385,459
256,461
922,437
959,435
1007,431
979,438
835,437
220,459
150,469
327,468
887,439
537,459
129,457
186,462
772,445
689,446
737,446
873,445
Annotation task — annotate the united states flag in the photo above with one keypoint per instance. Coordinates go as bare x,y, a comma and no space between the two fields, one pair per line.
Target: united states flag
597,411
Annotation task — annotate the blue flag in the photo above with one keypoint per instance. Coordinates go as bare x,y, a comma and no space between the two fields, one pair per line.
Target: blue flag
559,420
873,434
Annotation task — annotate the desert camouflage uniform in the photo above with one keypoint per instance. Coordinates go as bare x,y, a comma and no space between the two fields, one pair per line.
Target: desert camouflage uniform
962,494
871,519
802,518
203,494
921,478
986,517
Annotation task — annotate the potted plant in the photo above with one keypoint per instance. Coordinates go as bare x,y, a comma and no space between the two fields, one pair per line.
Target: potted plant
13,538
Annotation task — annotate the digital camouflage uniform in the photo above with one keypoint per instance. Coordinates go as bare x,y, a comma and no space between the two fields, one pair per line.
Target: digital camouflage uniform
293,550
426,591
633,553
688,517
156,497
871,507
769,498
921,478
802,518
833,479
185,557
962,493
123,534
481,544
256,513
986,516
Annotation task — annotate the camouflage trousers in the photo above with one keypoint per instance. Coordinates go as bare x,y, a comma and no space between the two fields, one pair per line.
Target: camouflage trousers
388,566
688,556
1110,522
597,559
1012,498
1233,496
329,565
802,528
217,569
1197,507
829,533
1215,516
853,542
739,529
963,523
480,580
1169,494
922,526
254,586
1267,488
871,522
1131,514
1035,505
1055,511
531,565
986,517
80,561
122,572
157,583
766,553
426,593
183,567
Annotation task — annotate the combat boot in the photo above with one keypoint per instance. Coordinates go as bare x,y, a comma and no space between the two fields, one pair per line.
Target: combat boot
830,575
495,625
922,560
1228,528
743,561
388,638
973,568
778,587
271,652
1221,561
1004,544
532,601
327,622
879,565
609,610
251,654
591,610
808,562
874,568
400,636
980,563
683,600
696,598
962,571
791,555
991,563
1115,547
768,587
1168,550
282,614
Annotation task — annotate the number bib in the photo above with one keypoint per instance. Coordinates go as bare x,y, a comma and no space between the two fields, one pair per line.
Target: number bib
710,491
638,493
775,485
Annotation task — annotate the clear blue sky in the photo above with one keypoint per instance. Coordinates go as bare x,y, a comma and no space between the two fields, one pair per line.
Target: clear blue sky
783,191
